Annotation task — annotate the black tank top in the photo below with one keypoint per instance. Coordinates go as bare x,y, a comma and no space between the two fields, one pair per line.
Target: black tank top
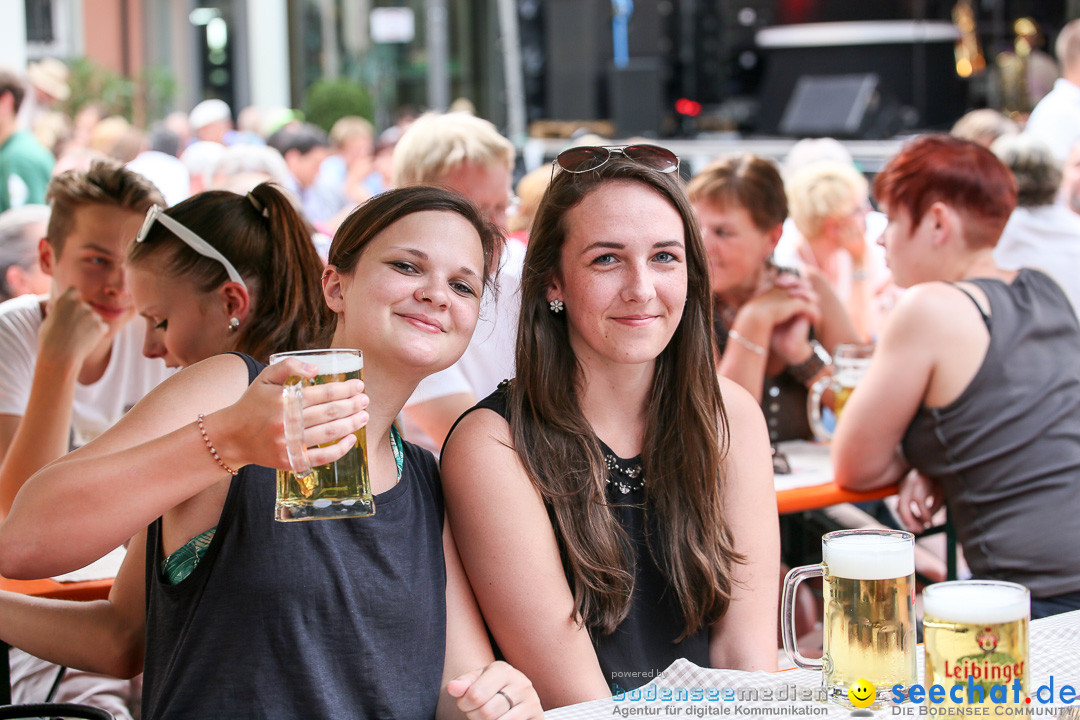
324,619
644,643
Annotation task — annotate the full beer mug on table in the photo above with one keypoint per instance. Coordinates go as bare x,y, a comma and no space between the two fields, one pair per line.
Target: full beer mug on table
340,489
869,624
977,629
850,362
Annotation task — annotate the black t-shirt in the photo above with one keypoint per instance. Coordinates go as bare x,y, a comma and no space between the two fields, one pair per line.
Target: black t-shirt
341,618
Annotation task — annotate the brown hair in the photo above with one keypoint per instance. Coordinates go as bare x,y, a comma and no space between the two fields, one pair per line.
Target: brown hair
107,182
380,212
748,181
267,242
11,83
686,432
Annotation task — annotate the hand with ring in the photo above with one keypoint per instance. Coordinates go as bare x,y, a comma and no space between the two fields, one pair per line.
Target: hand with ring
496,691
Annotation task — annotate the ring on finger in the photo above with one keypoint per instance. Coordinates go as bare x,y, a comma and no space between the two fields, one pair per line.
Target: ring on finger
507,699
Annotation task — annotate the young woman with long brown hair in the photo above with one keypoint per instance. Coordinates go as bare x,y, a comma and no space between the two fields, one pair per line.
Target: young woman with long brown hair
613,504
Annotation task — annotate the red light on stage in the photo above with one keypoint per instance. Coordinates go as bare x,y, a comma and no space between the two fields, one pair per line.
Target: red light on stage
685,106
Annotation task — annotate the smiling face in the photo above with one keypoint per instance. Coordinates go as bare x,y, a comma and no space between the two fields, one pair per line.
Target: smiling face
737,249
183,324
862,693
413,298
92,261
622,274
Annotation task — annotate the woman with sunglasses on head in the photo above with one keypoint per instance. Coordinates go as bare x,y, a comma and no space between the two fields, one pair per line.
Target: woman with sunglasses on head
613,510
775,330
244,617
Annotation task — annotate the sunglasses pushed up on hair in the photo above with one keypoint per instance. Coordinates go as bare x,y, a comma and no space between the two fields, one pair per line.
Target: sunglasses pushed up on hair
589,157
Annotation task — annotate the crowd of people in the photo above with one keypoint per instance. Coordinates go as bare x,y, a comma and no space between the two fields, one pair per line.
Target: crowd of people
572,397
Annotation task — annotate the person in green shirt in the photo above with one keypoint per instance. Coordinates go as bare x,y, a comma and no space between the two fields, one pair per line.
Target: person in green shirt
25,165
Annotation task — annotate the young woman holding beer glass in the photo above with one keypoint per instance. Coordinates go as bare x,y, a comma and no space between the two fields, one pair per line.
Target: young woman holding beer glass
614,510
318,619
973,383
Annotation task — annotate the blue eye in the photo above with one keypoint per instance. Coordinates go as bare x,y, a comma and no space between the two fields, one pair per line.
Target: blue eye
666,257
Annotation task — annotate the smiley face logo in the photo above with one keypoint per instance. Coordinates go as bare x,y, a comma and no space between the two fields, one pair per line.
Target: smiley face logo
862,693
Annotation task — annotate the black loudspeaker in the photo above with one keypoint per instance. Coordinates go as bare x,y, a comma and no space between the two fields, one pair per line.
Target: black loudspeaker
637,98
831,105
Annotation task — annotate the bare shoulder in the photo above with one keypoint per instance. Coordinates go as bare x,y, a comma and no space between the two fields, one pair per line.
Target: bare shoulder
479,443
739,404
934,309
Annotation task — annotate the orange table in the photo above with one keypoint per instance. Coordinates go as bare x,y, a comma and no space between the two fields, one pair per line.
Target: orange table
814,497
810,485
88,590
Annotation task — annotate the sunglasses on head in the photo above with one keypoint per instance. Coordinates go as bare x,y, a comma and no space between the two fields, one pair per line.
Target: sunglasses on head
193,241
586,158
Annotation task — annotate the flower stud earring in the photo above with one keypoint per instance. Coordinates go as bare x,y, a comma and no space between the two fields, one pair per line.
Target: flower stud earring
556,306
234,323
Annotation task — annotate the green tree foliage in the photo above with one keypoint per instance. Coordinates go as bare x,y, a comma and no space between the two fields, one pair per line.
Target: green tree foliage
331,99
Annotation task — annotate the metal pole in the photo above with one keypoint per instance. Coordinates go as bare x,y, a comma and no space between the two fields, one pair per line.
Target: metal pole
512,72
438,79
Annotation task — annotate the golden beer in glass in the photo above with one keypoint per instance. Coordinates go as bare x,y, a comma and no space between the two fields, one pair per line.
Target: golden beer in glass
869,624
850,363
340,489
977,629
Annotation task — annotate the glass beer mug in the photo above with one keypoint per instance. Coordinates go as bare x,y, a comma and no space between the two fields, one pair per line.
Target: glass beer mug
850,362
977,629
339,489
869,624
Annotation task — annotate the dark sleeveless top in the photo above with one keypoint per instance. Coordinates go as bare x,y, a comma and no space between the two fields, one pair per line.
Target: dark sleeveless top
341,618
644,643
1007,450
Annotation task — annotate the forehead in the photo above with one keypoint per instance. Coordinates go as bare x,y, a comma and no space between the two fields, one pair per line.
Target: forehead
442,235
624,208
478,182
153,289
106,227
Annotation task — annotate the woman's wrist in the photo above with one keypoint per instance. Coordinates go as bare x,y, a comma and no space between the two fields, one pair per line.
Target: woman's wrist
807,371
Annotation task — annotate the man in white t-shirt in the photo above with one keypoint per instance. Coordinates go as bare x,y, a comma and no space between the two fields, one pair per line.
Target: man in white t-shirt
1056,118
71,365
468,155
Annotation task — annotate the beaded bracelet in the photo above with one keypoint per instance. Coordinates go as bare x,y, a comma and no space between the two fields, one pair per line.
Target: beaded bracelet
210,447
746,342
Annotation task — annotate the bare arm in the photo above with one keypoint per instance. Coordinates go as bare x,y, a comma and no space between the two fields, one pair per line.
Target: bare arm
835,326
472,679
865,448
745,637
436,416
67,336
509,552
90,501
103,636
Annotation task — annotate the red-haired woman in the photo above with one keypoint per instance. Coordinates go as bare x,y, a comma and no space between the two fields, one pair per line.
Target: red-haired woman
974,383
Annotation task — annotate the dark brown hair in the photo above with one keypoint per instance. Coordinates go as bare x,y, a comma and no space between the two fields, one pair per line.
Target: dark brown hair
380,212
747,181
686,430
268,243
107,182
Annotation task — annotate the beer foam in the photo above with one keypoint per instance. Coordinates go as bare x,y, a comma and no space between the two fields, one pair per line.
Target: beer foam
331,363
976,602
869,557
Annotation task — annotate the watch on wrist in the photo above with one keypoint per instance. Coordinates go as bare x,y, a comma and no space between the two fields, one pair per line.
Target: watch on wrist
808,369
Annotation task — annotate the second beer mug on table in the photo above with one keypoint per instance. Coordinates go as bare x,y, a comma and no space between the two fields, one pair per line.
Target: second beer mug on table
869,623
976,634
850,362
340,489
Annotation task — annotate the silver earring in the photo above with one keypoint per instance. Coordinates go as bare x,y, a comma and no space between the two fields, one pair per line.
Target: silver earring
234,323
556,306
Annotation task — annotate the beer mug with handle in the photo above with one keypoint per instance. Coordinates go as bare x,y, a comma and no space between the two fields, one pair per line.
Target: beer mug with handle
850,362
869,623
340,489
976,634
